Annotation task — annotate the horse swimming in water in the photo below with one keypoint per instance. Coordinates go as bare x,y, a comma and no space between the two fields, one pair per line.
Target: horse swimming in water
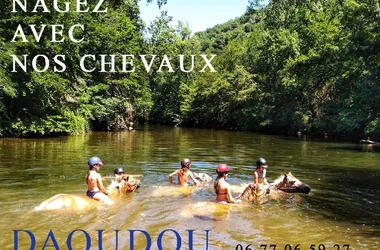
124,184
285,183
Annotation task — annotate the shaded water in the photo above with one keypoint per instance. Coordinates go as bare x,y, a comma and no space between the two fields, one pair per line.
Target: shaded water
342,207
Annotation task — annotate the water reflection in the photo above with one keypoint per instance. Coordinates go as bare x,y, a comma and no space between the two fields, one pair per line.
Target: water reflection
342,207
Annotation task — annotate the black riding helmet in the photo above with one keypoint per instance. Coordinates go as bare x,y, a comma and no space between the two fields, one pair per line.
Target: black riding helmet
261,162
119,171
185,163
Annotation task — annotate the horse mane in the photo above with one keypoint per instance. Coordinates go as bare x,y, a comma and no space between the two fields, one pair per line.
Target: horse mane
280,179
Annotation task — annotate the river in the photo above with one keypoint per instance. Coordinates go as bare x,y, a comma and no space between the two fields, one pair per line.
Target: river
343,207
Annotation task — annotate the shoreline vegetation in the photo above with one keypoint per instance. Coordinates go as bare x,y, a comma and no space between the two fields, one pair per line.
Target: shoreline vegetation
309,67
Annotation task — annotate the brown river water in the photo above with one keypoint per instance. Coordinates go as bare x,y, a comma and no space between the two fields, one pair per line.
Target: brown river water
343,207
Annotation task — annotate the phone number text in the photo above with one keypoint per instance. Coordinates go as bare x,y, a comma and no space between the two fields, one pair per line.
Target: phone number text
295,247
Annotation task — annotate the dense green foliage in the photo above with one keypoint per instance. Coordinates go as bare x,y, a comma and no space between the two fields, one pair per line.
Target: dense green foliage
303,66
309,65
72,101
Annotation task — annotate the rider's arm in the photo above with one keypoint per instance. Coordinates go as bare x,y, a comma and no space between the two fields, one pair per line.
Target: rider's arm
266,182
171,176
264,176
264,173
229,195
100,185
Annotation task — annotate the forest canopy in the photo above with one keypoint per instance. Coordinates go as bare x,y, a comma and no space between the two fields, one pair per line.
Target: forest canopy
281,67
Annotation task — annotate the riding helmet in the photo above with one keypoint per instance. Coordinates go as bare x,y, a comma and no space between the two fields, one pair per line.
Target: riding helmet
119,171
261,162
222,168
185,162
94,161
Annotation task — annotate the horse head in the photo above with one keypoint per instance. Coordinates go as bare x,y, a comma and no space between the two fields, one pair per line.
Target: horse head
202,178
290,184
125,184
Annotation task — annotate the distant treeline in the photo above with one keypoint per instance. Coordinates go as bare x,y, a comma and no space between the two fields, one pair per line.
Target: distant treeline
301,65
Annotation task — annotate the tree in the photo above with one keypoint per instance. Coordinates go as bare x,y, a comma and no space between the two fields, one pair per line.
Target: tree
71,101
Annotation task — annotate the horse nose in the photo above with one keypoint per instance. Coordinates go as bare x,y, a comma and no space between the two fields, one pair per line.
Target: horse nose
304,189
